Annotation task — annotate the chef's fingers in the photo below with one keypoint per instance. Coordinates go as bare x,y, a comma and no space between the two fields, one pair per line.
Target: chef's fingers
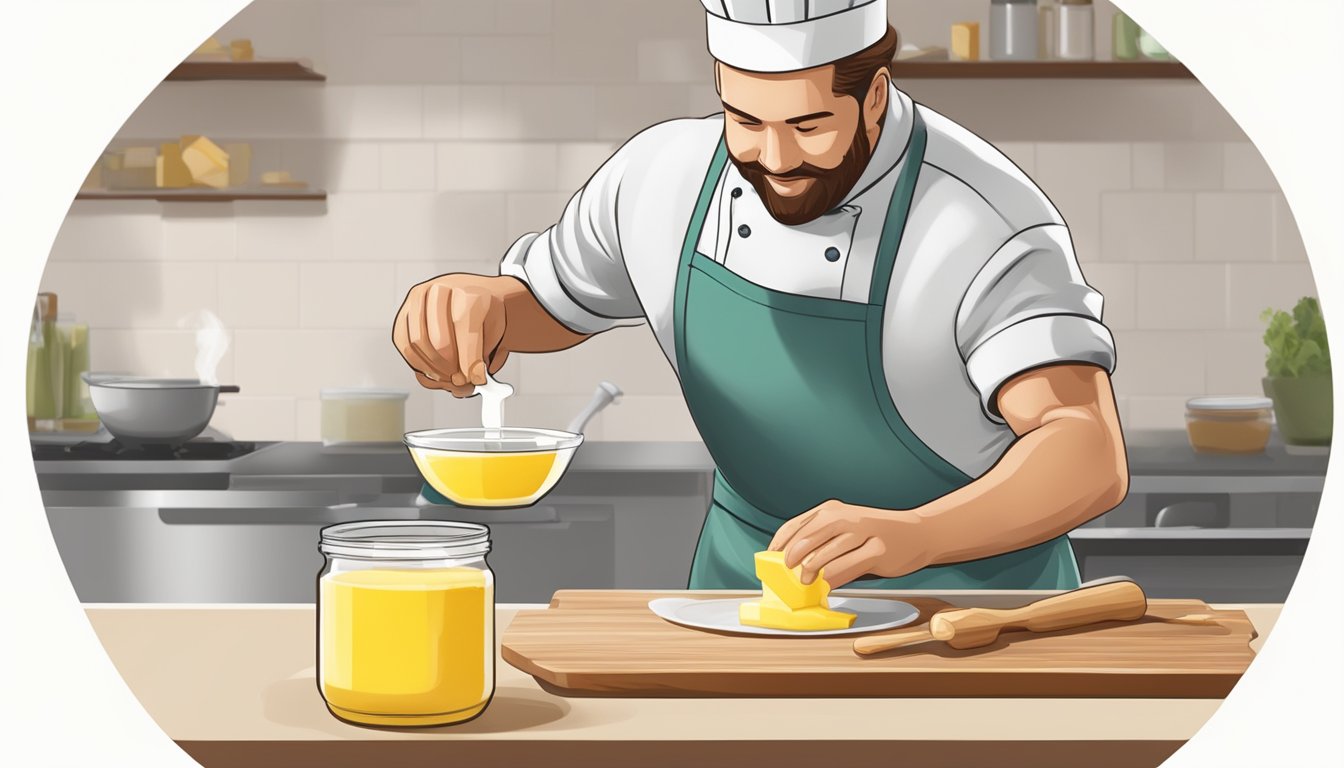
493,332
438,345
826,524
410,332
446,386
469,310
786,531
828,551
401,338
853,564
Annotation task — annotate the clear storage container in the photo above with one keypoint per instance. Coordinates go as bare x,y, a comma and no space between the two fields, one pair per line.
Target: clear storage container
1012,30
406,622
1229,424
354,416
1076,25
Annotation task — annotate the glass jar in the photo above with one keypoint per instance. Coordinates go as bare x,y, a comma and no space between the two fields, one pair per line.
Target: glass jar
1012,30
406,622
1229,424
1075,25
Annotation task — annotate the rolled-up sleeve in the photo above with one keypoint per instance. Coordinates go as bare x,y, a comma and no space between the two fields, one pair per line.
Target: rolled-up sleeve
1028,307
576,268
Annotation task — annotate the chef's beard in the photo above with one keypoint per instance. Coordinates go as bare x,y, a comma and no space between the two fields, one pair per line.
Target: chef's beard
829,187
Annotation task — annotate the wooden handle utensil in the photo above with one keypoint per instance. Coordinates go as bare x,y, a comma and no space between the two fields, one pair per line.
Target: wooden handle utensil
975,627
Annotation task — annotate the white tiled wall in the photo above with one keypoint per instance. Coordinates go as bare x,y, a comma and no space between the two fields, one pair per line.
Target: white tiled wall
449,127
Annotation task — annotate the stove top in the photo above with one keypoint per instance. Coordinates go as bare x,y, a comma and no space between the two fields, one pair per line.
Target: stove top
195,450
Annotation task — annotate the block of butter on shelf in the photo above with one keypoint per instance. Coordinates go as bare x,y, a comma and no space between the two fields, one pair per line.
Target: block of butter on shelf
169,170
966,41
210,50
280,179
787,603
241,50
209,165
138,157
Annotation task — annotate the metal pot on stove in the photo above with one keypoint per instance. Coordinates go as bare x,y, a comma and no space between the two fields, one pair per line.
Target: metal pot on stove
142,412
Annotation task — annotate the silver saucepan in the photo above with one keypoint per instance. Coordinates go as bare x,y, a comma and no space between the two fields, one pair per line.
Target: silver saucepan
144,411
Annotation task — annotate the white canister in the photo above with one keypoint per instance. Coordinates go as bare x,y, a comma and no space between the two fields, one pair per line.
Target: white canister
1012,30
1076,25
363,416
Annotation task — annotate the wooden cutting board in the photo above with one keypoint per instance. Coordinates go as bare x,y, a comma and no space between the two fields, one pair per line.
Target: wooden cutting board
608,643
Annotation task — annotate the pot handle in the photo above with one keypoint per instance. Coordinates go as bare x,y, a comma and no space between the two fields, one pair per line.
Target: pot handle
229,389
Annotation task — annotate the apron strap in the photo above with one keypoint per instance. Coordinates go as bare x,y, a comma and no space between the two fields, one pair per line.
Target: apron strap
898,212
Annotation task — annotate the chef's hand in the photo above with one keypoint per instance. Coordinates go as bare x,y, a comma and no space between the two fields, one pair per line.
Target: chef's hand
449,327
850,541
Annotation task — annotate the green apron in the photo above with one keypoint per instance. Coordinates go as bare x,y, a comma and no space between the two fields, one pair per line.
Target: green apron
789,394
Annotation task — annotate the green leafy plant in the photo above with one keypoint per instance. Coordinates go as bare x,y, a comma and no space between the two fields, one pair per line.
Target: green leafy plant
1297,343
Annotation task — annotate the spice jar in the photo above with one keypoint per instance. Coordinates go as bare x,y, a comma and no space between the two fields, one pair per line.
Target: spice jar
406,622
1075,26
1229,424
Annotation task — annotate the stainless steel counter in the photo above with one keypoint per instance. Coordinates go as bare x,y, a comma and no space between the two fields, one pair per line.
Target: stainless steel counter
625,515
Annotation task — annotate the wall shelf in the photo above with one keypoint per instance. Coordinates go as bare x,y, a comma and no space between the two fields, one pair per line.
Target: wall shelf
1063,70
202,195
273,70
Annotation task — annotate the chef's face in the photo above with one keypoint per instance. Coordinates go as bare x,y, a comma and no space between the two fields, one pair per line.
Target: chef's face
801,146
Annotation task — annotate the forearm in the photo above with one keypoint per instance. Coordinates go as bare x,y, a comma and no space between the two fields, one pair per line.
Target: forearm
528,326
1051,480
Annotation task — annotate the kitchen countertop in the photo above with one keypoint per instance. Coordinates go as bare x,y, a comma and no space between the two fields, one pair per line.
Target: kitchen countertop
234,685
1151,453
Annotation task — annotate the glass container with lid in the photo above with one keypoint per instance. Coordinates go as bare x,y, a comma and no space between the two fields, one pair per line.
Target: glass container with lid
1075,27
1012,30
363,416
406,622
1229,424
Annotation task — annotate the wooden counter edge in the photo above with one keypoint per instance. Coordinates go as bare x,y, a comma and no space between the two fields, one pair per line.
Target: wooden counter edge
649,754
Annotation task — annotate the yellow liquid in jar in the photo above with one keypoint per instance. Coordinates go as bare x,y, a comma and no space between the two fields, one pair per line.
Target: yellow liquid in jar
407,647
487,479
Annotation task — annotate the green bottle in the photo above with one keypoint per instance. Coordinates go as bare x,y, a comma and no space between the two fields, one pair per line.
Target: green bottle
1124,37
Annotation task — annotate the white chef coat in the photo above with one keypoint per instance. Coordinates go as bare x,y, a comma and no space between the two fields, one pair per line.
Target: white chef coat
986,284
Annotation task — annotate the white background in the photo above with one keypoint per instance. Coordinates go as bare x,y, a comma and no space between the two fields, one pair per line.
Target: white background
72,73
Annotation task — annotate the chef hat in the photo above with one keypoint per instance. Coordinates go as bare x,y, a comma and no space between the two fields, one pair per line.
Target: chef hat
788,35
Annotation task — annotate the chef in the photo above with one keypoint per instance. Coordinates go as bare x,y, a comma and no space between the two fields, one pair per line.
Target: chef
878,321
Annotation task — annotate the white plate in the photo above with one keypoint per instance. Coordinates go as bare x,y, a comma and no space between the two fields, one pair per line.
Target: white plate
721,615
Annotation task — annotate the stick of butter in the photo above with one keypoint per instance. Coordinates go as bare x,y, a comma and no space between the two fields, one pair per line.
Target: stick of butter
209,165
966,41
787,603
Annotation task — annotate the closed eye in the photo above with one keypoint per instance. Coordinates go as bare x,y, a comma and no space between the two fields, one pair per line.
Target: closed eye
806,130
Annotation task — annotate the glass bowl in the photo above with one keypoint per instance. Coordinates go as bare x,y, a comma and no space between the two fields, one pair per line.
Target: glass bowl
507,467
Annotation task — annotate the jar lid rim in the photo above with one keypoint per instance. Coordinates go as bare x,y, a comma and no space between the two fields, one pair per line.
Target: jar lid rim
405,540
1234,403
358,393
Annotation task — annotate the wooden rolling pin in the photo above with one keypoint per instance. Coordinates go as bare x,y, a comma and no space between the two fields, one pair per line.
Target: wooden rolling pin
975,627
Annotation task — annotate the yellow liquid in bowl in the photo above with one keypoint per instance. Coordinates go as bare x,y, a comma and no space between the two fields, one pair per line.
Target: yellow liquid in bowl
407,647
489,479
